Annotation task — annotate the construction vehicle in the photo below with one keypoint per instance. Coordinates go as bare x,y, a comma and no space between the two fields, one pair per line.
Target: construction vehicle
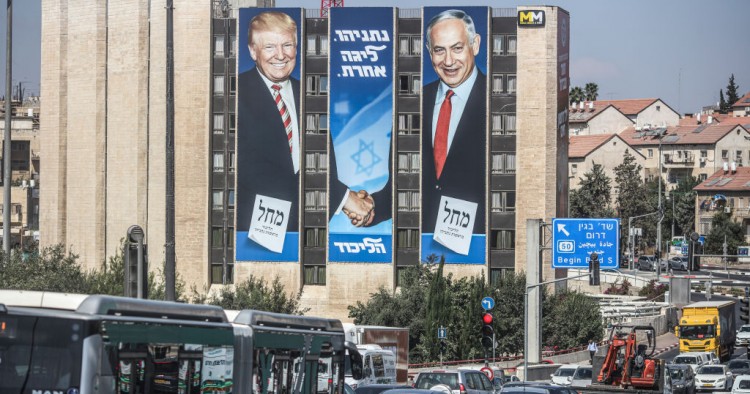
708,326
627,362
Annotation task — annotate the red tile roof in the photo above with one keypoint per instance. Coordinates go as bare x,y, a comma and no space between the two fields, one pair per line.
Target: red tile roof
581,146
744,101
727,181
703,134
627,107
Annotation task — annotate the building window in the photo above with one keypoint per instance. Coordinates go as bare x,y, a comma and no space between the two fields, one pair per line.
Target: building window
316,124
316,162
230,198
217,237
511,83
408,163
232,46
315,275
503,124
217,200
407,238
217,271
232,84
230,161
702,177
573,169
408,124
218,125
315,200
498,44
503,201
504,163
497,83
317,85
650,153
497,274
409,83
315,237
232,124
725,154
218,85
511,45
317,45
503,240
409,45
219,46
408,201
218,161
401,275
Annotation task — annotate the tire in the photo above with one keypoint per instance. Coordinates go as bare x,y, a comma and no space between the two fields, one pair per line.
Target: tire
637,267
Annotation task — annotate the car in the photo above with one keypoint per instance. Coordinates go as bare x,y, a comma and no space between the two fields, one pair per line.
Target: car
678,263
536,388
663,265
695,359
741,385
463,381
712,377
572,375
739,367
743,336
646,263
412,390
378,388
679,379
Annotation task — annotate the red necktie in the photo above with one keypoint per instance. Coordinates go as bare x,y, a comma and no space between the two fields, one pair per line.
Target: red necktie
284,112
441,133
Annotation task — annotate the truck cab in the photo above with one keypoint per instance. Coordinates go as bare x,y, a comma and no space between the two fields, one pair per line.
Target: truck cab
707,326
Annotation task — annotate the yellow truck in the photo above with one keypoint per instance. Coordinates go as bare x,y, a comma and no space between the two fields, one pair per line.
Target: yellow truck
708,326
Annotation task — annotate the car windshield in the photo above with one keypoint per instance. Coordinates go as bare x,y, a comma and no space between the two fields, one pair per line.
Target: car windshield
685,360
710,370
738,364
745,329
697,332
676,373
744,384
565,372
429,379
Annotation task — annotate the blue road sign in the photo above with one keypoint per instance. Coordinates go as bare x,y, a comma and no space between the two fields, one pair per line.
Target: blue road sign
488,303
442,333
573,241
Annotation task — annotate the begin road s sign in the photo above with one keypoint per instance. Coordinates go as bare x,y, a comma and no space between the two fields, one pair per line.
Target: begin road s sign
573,241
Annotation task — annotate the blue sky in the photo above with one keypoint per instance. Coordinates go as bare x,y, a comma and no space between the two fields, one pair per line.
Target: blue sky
682,51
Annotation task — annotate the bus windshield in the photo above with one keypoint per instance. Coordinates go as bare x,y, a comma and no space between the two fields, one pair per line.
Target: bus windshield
697,332
36,353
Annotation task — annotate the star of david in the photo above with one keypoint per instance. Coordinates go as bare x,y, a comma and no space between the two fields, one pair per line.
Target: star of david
365,158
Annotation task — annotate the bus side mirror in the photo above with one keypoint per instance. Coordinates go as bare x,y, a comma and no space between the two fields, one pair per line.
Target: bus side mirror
356,360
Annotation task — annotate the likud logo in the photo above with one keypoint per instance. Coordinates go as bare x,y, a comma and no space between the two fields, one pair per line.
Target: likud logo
531,18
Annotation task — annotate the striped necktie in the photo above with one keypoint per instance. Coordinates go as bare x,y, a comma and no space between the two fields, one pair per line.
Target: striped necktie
284,112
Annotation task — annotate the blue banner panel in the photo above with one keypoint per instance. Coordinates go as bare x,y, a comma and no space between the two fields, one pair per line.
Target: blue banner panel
573,241
454,134
361,127
268,151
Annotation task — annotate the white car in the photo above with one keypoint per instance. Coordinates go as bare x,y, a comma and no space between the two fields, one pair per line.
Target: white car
743,336
741,385
695,359
572,375
713,377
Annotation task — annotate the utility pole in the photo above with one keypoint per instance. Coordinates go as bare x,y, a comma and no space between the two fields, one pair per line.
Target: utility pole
6,134
661,217
169,252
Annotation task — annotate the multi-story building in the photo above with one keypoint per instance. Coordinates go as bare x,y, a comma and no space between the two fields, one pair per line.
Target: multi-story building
606,150
104,123
727,191
742,107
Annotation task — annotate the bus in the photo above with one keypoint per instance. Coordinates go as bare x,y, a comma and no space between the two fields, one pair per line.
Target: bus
69,344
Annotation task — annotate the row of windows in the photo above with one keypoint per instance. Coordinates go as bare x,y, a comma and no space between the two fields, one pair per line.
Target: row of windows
220,163
217,199
219,46
503,44
504,83
408,238
218,124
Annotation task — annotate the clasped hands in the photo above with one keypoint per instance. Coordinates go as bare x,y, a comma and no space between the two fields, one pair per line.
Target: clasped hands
360,208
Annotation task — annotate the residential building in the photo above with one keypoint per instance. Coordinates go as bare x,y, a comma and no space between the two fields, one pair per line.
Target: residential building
724,190
588,119
606,150
105,130
742,107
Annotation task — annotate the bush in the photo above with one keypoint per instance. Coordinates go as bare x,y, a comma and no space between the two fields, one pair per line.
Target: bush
653,291
621,289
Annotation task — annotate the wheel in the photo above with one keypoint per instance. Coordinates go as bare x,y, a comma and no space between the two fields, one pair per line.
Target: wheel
683,267
637,267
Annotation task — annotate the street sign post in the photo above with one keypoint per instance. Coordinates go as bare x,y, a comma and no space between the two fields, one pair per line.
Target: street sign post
488,303
573,241
442,333
488,371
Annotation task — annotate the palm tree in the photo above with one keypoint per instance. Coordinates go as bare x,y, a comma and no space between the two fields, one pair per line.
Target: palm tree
576,95
592,91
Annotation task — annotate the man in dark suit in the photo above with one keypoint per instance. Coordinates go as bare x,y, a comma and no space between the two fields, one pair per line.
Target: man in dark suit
453,124
268,149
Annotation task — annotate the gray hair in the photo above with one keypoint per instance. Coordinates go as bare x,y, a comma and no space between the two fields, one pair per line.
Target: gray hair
471,31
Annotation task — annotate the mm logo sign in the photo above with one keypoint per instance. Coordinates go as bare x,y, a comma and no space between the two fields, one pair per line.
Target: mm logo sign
531,18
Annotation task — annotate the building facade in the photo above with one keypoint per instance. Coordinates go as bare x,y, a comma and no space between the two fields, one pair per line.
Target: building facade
104,121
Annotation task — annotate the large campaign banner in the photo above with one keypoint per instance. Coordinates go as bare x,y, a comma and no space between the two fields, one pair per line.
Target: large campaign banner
361,79
563,86
268,135
454,134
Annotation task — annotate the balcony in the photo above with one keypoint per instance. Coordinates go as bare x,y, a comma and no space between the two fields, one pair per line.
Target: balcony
685,159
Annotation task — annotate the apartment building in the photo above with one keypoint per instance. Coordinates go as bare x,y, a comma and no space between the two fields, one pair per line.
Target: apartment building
726,191
104,126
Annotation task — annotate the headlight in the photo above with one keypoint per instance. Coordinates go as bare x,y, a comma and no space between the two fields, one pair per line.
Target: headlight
679,386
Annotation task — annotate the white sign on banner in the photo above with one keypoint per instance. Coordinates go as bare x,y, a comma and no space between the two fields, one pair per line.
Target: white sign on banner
455,223
268,225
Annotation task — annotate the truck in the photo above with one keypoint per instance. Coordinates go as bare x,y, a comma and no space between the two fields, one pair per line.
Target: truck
707,326
395,339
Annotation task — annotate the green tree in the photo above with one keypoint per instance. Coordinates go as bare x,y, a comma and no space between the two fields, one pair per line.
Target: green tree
592,199
723,226
50,269
630,193
723,106
682,198
255,293
591,91
732,93
576,95
565,332
509,311
653,291
438,307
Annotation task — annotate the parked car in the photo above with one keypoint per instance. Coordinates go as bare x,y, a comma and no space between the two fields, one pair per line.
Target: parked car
459,381
412,390
696,359
741,385
379,388
678,263
680,379
743,336
739,367
646,263
536,389
712,377
572,375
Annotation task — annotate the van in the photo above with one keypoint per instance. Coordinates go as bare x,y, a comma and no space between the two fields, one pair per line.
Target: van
378,366
696,359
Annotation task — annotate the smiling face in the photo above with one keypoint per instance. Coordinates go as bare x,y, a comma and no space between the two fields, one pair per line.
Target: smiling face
451,52
274,52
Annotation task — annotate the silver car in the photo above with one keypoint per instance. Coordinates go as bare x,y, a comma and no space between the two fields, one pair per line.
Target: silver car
458,381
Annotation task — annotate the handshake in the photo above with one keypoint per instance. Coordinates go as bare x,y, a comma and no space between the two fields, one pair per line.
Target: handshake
360,208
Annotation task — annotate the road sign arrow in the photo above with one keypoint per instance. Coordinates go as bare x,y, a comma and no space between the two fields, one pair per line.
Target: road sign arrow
561,228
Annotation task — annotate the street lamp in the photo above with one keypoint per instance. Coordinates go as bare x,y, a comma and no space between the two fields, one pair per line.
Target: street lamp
659,133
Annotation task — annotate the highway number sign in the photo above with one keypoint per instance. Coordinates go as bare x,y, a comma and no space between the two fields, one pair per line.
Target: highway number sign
573,241
488,371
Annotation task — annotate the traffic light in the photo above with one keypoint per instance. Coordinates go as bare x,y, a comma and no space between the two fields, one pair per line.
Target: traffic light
443,346
745,307
487,330
594,269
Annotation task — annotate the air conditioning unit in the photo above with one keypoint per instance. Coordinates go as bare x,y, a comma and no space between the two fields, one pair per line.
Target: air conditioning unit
727,210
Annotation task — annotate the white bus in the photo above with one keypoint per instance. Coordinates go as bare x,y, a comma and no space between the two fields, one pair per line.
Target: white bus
70,344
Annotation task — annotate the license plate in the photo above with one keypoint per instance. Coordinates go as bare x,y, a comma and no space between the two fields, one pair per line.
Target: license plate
707,385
